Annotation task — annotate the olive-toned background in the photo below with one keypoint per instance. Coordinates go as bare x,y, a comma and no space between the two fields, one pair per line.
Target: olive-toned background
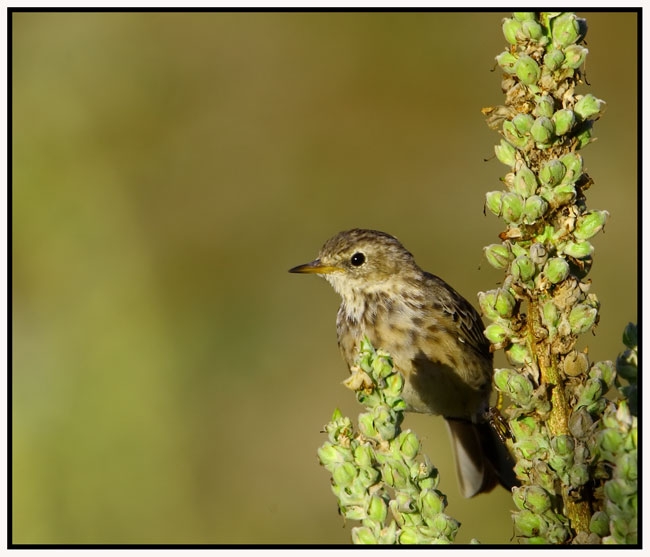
170,378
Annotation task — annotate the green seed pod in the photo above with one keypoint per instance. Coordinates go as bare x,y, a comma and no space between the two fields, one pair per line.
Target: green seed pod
409,536
532,30
525,183
377,509
552,173
599,523
505,153
518,250
504,303
501,378
385,422
395,474
382,367
592,391
394,386
331,455
348,497
365,361
512,136
429,483
573,164
344,474
362,535
545,107
564,194
523,427
527,70
518,496
367,425
582,318
556,269
534,208
550,314
507,62
564,121
431,503
498,255
589,107
512,207
523,123
445,525
408,444
363,455
518,354
575,56
553,59
560,195
576,364
530,524
523,268
603,371
487,301
526,449
367,476
494,202
630,338
518,387
496,333
536,499
524,16
589,224
565,30
578,250
543,130
511,29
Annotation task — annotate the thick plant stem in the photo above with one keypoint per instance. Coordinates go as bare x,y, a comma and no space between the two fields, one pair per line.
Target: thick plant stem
578,512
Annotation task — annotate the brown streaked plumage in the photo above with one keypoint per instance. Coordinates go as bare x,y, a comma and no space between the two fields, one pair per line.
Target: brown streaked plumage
433,334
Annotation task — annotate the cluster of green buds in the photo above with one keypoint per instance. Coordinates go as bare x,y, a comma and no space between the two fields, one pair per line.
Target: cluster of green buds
378,474
616,444
557,398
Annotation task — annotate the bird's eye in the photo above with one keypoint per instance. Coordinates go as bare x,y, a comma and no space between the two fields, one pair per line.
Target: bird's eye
358,259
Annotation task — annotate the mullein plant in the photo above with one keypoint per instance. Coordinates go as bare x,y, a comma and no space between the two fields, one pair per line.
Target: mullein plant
379,476
572,424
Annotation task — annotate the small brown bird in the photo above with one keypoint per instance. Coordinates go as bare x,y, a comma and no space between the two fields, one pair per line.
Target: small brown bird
434,336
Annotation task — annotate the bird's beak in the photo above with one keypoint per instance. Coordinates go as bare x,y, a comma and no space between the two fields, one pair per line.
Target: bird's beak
315,267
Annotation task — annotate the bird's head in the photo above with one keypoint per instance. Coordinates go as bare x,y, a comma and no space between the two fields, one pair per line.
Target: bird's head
361,261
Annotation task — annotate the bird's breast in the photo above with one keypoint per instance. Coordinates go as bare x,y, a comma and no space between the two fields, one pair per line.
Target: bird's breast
442,376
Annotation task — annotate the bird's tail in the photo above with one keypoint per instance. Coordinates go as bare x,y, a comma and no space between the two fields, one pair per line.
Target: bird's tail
482,459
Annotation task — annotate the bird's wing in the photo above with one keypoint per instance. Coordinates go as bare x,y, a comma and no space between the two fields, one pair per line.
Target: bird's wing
467,321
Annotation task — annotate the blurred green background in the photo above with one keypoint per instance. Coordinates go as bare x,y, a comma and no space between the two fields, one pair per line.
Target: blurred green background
170,378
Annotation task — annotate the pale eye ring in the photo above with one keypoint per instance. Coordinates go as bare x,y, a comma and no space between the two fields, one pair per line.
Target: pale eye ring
358,259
